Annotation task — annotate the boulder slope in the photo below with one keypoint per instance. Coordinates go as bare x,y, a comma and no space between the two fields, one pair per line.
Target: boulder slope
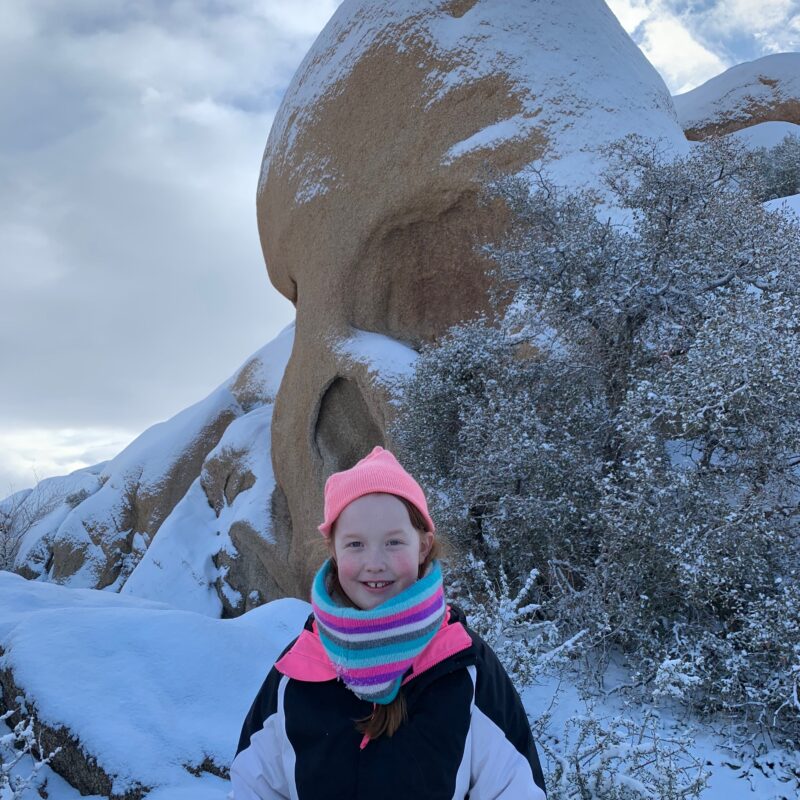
182,514
764,90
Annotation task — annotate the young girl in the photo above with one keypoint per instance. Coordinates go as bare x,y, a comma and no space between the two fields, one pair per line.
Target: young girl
386,693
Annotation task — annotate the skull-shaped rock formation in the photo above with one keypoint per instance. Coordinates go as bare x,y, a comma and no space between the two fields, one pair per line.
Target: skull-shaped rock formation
368,201
764,90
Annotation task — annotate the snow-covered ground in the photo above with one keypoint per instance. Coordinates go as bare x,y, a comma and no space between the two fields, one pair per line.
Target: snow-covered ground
151,690
148,689
730,774
789,205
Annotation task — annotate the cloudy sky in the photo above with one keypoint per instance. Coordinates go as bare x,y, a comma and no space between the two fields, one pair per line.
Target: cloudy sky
131,136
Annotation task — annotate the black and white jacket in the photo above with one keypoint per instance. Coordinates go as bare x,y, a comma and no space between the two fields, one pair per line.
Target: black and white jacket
467,734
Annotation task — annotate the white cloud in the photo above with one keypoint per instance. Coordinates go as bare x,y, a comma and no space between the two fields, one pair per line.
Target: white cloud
630,13
691,42
680,58
774,24
670,42
132,277
300,19
30,454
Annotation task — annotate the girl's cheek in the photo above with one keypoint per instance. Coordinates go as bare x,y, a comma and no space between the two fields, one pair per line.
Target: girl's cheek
348,566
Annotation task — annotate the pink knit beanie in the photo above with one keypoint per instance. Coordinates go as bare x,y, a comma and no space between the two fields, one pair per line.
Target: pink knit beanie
380,472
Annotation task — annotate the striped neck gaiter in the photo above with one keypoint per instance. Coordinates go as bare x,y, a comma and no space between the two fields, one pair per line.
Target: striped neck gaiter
371,650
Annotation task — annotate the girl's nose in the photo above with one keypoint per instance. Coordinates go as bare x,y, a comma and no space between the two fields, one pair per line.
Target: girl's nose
375,560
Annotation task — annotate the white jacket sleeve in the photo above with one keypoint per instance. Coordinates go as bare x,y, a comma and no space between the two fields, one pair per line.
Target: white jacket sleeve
499,771
259,770
504,764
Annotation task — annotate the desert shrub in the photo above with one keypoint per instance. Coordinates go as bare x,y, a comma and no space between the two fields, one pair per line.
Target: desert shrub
778,168
628,424
499,435
76,498
527,644
622,757
19,513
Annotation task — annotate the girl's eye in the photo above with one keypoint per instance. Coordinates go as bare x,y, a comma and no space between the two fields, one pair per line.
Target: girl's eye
353,544
395,541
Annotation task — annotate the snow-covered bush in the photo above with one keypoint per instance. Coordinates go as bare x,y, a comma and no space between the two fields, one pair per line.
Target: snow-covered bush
622,758
497,435
779,169
629,425
19,744
526,643
19,512
76,498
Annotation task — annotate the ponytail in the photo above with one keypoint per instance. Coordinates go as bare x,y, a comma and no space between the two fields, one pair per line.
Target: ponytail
384,719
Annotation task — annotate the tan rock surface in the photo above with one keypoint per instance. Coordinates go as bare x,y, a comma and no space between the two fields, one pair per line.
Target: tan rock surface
368,200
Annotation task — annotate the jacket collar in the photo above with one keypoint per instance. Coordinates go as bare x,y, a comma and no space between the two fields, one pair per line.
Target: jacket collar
306,659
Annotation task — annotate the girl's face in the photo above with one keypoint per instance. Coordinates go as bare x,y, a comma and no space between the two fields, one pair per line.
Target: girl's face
377,550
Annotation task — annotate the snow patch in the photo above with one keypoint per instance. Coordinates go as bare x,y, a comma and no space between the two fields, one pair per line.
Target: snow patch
388,360
787,205
506,129
730,94
765,134
130,676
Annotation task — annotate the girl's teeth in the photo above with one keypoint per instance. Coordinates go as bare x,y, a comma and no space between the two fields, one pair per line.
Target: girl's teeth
377,584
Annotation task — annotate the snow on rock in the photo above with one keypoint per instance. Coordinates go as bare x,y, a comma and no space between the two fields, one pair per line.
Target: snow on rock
765,134
33,515
214,552
767,89
183,565
107,516
178,566
386,359
257,381
22,598
140,487
577,78
128,676
14,500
